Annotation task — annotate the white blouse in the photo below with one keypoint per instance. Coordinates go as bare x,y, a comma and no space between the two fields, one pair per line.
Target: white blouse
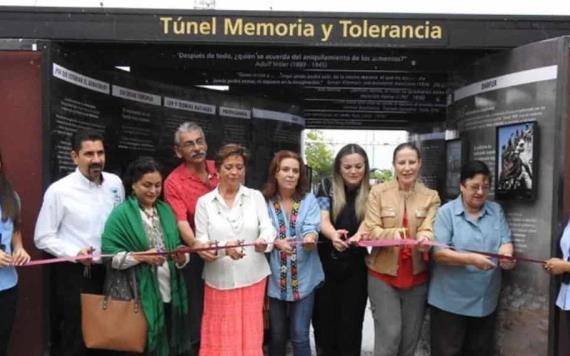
246,220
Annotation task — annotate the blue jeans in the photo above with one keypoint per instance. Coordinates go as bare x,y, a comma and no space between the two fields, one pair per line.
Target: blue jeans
296,316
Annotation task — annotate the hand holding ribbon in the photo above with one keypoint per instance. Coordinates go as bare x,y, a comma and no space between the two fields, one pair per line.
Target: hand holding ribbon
20,256
235,249
283,245
356,238
338,241
150,257
260,245
556,266
310,241
424,242
87,251
205,250
507,263
480,261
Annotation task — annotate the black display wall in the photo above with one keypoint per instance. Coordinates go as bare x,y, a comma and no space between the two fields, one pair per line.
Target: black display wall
508,115
139,117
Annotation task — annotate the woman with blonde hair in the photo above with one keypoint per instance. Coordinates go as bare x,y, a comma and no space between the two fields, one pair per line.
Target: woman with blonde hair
341,301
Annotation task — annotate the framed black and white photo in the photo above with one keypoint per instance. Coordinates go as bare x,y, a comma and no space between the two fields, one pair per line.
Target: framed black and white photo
515,176
455,155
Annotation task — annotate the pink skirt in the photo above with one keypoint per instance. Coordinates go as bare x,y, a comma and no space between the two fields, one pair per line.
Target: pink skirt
232,322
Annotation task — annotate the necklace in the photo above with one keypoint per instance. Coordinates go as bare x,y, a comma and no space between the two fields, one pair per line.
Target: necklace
234,217
283,257
152,228
149,212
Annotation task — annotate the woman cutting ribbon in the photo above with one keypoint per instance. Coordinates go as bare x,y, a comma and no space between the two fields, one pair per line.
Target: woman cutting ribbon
295,265
235,277
143,223
465,286
398,276
341,301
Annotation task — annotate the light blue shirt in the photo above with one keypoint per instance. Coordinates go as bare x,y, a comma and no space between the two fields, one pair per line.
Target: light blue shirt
563,300
310,271
467,290
8,275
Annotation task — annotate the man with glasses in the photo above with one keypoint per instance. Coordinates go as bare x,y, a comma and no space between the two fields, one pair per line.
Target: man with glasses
465,286
194,177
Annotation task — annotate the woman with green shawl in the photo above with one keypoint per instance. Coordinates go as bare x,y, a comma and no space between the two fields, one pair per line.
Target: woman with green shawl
143,223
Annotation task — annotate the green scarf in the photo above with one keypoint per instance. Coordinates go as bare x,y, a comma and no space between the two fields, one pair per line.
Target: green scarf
124,231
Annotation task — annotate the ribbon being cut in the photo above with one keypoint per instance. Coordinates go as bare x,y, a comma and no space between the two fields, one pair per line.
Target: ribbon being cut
363,243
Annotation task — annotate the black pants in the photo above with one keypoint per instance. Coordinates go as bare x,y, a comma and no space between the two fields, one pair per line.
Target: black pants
8,299
339,311
458,335
195,289
68,283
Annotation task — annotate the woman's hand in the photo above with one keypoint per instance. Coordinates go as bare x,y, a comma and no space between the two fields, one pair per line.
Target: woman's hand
260,245
423,242
234,250
5,259
20,256
283,245
338,240
556,266
507,250
206,255
398,234
359,236
153,260
310,241
179,256
482,262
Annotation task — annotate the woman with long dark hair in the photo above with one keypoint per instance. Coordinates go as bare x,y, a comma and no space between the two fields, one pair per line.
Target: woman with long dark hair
340,303
12,253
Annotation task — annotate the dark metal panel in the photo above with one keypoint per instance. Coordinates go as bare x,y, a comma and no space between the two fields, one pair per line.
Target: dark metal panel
286,28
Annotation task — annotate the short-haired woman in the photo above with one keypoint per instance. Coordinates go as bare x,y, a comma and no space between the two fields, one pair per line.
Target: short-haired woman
465,286
235,277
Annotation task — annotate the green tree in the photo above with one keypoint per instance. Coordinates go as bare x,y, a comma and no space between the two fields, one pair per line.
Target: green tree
382,175
319,155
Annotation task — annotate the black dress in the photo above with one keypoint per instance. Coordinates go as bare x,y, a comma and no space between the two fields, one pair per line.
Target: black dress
341,301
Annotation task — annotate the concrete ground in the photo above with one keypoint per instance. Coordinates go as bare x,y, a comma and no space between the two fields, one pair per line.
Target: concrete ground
367,336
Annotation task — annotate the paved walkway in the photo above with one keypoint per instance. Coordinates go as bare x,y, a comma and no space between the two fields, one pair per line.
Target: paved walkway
367,335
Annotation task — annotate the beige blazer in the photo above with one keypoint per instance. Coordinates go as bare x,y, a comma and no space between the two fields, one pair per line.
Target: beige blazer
384,213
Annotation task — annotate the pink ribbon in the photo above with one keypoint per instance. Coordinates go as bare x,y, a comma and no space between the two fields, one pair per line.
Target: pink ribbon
363,243
408,242
47,261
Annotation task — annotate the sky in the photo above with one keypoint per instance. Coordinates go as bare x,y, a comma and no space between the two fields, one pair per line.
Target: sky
520,7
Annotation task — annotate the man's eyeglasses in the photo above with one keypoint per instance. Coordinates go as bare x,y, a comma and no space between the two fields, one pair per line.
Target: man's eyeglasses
192,144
